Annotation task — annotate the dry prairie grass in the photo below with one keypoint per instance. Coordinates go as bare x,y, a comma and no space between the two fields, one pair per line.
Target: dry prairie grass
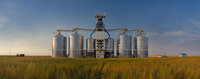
114,68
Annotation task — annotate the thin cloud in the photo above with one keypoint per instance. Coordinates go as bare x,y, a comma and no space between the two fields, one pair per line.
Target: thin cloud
196,23
175,33
174,42
3,21
169,34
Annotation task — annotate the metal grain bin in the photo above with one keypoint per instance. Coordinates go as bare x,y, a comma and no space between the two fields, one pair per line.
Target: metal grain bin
75,46
124,46
58,46
141,46
109,47
90,48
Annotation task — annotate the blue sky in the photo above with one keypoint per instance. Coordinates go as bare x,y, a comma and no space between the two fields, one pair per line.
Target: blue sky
26,25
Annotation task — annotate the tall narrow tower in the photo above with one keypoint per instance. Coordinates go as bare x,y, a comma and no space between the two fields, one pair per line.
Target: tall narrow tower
100,51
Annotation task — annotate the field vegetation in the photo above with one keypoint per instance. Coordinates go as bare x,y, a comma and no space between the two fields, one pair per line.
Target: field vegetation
108,68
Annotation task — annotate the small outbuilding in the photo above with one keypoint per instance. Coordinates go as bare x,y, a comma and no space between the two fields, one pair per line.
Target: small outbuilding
182,55
20,55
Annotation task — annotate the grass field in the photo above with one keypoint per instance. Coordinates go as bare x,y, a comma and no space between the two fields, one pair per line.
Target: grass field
116,68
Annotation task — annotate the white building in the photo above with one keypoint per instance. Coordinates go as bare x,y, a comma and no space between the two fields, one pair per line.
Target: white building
182,55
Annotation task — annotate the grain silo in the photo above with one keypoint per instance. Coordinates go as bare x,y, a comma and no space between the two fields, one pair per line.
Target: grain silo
141,46
75,46
90,48
59,46
124,46
109,47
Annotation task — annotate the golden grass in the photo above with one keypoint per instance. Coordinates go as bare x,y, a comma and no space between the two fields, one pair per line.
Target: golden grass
109,68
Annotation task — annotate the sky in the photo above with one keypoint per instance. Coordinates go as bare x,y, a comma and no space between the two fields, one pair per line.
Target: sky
26,26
